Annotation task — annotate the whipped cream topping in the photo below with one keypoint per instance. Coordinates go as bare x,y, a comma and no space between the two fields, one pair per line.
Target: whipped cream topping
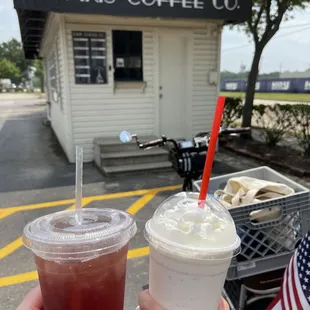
180,221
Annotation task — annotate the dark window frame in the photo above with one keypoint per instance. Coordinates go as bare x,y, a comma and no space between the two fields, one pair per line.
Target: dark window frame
130,53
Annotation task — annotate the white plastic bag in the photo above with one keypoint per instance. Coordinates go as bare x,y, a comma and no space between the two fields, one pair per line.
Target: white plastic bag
245,190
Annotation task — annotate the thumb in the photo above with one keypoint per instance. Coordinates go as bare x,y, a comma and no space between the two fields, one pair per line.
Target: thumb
146,302
223,304
32,301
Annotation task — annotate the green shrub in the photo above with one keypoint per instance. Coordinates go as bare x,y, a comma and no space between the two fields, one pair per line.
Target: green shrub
301,125
232,111
275,120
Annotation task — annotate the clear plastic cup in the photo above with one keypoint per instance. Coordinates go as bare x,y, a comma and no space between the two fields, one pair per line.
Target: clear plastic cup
81,267
190,252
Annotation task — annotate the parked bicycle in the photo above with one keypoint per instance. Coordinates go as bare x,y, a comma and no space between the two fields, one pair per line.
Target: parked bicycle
187,156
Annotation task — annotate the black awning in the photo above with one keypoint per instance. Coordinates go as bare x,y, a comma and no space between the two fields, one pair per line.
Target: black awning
32,25
32,13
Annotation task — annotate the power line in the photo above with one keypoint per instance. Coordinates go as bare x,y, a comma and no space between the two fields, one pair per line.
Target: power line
296,26
250,44
292,26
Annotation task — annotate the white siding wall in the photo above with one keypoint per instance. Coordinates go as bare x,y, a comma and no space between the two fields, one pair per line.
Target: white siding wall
206,53
52,49
101,110
58,119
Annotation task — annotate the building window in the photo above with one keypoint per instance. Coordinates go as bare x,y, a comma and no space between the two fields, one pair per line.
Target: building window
127,55
90,63
52,77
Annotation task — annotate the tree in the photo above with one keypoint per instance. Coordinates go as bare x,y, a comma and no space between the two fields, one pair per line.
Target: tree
267,16
8,70
13,51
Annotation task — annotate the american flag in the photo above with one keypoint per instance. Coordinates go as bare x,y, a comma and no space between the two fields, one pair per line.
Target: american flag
295,290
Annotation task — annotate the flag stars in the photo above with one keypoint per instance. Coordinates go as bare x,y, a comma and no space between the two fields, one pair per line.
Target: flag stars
306,280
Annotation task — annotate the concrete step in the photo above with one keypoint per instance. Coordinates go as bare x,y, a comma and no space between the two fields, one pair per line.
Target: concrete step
136,168
114,145
134,157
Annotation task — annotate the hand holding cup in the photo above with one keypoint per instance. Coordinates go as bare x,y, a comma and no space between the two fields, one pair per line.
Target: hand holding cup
146,302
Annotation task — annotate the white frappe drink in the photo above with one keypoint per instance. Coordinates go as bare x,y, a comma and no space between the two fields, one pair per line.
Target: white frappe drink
190,252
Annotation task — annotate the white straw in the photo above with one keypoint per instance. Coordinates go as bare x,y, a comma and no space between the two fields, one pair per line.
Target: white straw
79,183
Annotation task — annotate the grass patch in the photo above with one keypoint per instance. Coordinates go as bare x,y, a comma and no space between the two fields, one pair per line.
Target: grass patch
272,96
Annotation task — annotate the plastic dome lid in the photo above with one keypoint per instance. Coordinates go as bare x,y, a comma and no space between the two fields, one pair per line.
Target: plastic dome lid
59,234
180,226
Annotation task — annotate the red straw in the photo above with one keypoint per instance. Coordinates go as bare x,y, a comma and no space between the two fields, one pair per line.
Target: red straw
211,149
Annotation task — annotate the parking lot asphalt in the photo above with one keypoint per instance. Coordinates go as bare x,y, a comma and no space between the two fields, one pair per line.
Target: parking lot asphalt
36,179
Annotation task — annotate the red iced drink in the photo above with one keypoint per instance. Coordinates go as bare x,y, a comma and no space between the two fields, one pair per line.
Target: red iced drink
84,268
84,285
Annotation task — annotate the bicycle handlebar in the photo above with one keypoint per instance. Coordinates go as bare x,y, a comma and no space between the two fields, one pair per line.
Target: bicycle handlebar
163,140
157,142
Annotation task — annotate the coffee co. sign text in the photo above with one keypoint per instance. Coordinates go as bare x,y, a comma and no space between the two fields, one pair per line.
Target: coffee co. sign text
219,5
231,10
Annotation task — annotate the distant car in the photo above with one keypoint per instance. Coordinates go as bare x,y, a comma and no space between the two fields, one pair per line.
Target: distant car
13,85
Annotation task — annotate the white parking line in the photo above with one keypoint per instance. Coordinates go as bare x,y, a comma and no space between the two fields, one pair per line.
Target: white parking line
13,110
8,108
2,121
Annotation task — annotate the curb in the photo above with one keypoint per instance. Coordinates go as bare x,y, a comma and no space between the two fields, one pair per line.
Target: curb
295,171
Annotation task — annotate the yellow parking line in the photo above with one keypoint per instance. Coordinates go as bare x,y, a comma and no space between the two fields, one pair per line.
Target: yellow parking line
32,275
41,205
133,209
140,252
9,211
4,212
11,247
166,188
140,203
18,278
85,202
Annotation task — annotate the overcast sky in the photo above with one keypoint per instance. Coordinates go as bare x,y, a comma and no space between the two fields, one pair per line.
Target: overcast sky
289,50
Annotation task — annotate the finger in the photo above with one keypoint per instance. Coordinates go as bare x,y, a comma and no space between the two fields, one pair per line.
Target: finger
32,301
146,302
223,304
